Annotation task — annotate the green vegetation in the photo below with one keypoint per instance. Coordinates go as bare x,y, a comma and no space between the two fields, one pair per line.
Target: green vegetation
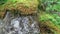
49,11
3,2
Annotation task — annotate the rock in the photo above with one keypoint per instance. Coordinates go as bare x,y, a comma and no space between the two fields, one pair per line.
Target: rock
22,25
1,26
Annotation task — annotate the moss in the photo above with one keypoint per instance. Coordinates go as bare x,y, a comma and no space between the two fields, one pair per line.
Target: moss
2,2
24,6
51,20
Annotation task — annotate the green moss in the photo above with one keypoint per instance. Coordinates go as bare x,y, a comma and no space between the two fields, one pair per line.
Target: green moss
53,18
2,2
27,3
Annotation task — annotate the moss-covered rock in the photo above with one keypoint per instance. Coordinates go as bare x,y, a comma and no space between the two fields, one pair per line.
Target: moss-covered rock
24,6
2,15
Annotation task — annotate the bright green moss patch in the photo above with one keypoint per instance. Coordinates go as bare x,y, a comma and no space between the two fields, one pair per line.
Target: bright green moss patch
54,18
51,20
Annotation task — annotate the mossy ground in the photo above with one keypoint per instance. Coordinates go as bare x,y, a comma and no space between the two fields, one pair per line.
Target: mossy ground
48,12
